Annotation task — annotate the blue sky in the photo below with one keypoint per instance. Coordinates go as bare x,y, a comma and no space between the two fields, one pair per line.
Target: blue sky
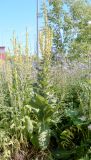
16,15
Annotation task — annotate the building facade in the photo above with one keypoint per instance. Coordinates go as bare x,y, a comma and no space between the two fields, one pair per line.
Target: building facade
2,53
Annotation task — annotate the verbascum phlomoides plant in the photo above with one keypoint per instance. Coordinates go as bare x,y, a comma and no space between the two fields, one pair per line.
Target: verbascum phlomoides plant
43,101
15,94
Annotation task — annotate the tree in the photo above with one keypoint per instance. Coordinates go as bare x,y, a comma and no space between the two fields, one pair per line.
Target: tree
69,20
55,20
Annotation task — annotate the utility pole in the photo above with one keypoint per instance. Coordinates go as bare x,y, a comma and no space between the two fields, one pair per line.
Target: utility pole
37,29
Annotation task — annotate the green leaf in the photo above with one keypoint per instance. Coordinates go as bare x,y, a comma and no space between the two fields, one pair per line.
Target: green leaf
29,124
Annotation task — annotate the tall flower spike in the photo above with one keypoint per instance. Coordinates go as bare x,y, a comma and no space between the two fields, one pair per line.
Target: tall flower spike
27,45
45,41
45,36
15,47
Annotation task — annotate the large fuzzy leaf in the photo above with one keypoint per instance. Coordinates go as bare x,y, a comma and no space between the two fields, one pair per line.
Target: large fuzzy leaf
44,136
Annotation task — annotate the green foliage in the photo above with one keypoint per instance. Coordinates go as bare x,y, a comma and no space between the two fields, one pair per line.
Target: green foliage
52,115
44,107
70,23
